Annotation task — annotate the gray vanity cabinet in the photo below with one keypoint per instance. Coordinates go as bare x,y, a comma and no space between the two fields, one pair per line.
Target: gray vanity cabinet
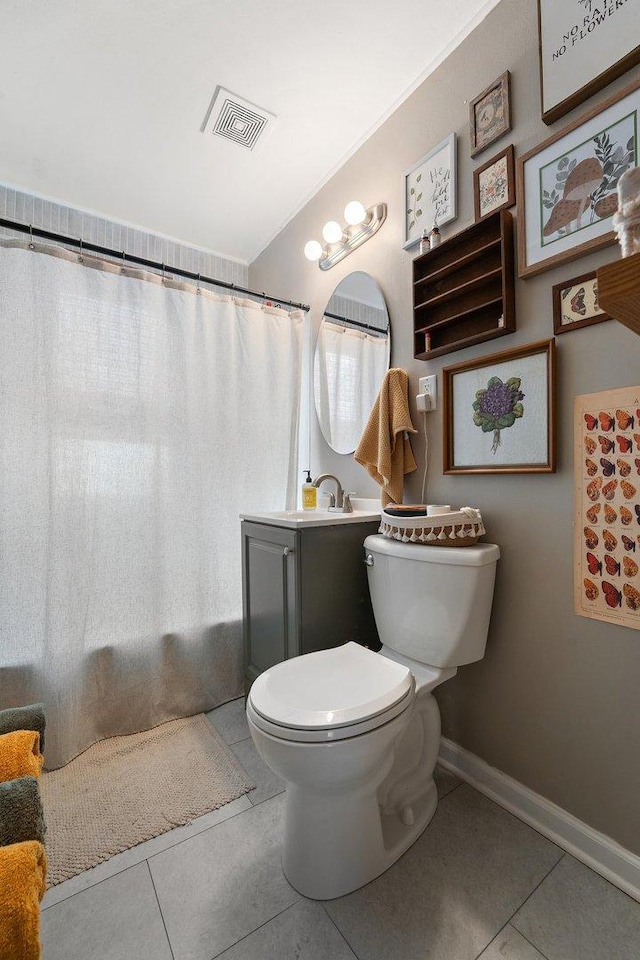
303,589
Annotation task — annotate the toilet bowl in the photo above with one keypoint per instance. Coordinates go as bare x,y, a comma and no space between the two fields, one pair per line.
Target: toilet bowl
355,734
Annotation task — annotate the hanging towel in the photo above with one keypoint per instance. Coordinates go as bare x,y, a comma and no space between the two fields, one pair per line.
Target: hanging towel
20,755
24,718
21,816
23,871
384,449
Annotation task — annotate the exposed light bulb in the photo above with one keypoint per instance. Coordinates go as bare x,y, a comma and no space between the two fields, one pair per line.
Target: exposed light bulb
354,213
332,232
313,250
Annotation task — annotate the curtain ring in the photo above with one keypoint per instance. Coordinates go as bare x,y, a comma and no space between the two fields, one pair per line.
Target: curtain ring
163,272
123,269
31,246
80,257
198,285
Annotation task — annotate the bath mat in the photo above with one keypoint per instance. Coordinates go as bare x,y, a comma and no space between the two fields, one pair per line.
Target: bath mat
125,790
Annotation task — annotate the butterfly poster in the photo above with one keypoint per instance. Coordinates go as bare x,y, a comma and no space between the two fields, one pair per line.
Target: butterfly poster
607,506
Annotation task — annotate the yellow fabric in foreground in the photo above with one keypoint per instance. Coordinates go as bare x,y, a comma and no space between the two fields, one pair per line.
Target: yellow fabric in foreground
384,449
23,869
20,756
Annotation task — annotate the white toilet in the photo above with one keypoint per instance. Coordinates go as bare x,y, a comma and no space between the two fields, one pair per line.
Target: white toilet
355,734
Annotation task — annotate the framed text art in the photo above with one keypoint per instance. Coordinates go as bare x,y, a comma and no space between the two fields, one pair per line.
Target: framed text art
567,186
430,191
584,45
499,412
575,303
607,506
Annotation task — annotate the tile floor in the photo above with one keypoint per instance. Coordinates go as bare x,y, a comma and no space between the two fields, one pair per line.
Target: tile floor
478,885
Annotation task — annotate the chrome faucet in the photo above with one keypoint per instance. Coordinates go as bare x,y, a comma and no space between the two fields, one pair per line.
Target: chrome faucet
338,502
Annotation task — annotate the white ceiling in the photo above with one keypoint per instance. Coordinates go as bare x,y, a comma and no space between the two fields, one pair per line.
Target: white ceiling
101,103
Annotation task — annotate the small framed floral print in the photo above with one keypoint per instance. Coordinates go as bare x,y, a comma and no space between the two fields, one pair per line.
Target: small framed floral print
494,184
499,412
575,303
490,114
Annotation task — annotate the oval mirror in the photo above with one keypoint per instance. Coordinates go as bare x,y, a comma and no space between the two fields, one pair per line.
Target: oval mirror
351,359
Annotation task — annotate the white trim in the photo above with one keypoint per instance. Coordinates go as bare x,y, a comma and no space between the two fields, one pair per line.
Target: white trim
595,849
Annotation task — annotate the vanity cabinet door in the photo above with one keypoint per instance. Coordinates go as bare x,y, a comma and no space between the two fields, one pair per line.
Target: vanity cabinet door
303,590
270,597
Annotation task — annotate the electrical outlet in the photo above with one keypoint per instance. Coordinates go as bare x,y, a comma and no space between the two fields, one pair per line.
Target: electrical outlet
429,385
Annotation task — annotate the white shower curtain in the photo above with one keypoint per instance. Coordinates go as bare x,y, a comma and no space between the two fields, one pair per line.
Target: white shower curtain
137,419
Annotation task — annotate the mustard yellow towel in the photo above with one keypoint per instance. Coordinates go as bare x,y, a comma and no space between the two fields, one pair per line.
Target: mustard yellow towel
20,755
23,871
384,449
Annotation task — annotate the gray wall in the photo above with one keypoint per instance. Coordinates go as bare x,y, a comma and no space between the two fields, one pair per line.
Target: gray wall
555,702
22,207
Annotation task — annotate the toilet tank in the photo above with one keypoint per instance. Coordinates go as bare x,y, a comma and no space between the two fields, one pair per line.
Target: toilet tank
432,604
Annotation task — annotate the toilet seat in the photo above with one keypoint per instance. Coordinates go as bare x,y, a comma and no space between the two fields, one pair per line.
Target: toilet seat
330,695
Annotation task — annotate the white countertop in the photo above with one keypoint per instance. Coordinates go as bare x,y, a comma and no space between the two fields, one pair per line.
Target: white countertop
364,510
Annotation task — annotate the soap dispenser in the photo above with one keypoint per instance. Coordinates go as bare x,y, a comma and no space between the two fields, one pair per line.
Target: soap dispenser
309,493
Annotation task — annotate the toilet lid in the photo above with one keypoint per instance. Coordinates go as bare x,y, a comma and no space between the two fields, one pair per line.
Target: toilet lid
330,688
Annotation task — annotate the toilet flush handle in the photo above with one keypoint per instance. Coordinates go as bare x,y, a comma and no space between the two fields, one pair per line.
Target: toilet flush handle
369,560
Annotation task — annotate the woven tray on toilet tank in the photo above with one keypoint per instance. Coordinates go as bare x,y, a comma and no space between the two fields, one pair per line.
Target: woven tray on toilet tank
432,525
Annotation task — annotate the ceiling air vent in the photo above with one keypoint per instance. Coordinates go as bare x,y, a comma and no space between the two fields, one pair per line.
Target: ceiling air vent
236,119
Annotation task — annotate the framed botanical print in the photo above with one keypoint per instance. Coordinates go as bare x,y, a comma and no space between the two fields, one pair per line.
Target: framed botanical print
494,185
430,191
567,186
575,303
584,45
490,114
499,412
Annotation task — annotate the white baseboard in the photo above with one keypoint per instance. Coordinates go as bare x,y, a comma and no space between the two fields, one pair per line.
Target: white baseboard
596,850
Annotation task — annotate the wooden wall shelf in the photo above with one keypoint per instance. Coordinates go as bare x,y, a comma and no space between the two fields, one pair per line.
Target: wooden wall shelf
619,291
463,290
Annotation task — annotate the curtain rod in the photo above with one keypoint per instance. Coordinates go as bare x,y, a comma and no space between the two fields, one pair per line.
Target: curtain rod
354,323
140,261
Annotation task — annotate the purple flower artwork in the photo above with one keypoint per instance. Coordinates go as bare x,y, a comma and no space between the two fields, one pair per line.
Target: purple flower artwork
498,406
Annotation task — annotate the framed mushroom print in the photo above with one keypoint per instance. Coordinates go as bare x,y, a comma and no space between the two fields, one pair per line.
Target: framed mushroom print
584,45
567,186
499,412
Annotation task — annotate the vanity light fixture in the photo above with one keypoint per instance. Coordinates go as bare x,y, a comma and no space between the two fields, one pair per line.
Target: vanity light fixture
340,241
